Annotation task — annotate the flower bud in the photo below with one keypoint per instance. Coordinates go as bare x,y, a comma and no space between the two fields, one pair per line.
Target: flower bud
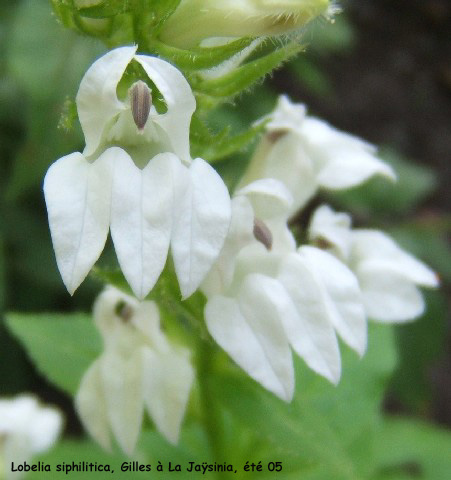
196,20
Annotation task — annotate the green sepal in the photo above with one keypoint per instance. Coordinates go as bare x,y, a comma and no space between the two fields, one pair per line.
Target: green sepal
68,115
246,75
108,8
198,58
160,10
213,147
64,11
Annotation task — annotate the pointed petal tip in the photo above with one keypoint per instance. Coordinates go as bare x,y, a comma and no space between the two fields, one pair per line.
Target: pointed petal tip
128,449
139,292
390,173
71,286
171,437
289,394
187,292
334,377
361,351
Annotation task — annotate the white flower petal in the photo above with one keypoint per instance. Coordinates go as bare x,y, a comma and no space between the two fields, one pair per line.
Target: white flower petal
179,100
323,137
347,169
250,331
121,380
26,428
45,427
389,297
263,309
333,228
239,235
380,248
342,160
78,198
255,258
269,197
344,298
319,348
285,159
97,101
141,217
167,383
201,222
283,240
90,404
287,115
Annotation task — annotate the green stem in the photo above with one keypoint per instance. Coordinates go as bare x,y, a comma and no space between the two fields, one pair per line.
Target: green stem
211,414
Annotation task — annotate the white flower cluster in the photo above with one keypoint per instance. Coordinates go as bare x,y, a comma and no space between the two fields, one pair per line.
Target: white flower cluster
26,429
267,296
136,178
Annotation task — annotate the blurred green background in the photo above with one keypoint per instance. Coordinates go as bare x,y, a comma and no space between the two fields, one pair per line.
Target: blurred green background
380,71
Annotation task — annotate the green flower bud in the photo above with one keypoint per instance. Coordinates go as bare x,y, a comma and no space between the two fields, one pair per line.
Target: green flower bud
196,20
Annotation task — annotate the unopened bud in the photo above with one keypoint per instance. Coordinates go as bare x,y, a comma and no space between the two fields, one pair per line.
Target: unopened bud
262,233
196,20
140,101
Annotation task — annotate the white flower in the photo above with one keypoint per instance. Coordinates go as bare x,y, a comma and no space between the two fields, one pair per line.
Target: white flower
138,369
136,177
26,428
266,298
306,153
388,276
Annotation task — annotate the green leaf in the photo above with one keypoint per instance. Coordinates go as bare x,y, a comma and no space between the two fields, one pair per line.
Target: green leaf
413,449
246,75
421,344
62,346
